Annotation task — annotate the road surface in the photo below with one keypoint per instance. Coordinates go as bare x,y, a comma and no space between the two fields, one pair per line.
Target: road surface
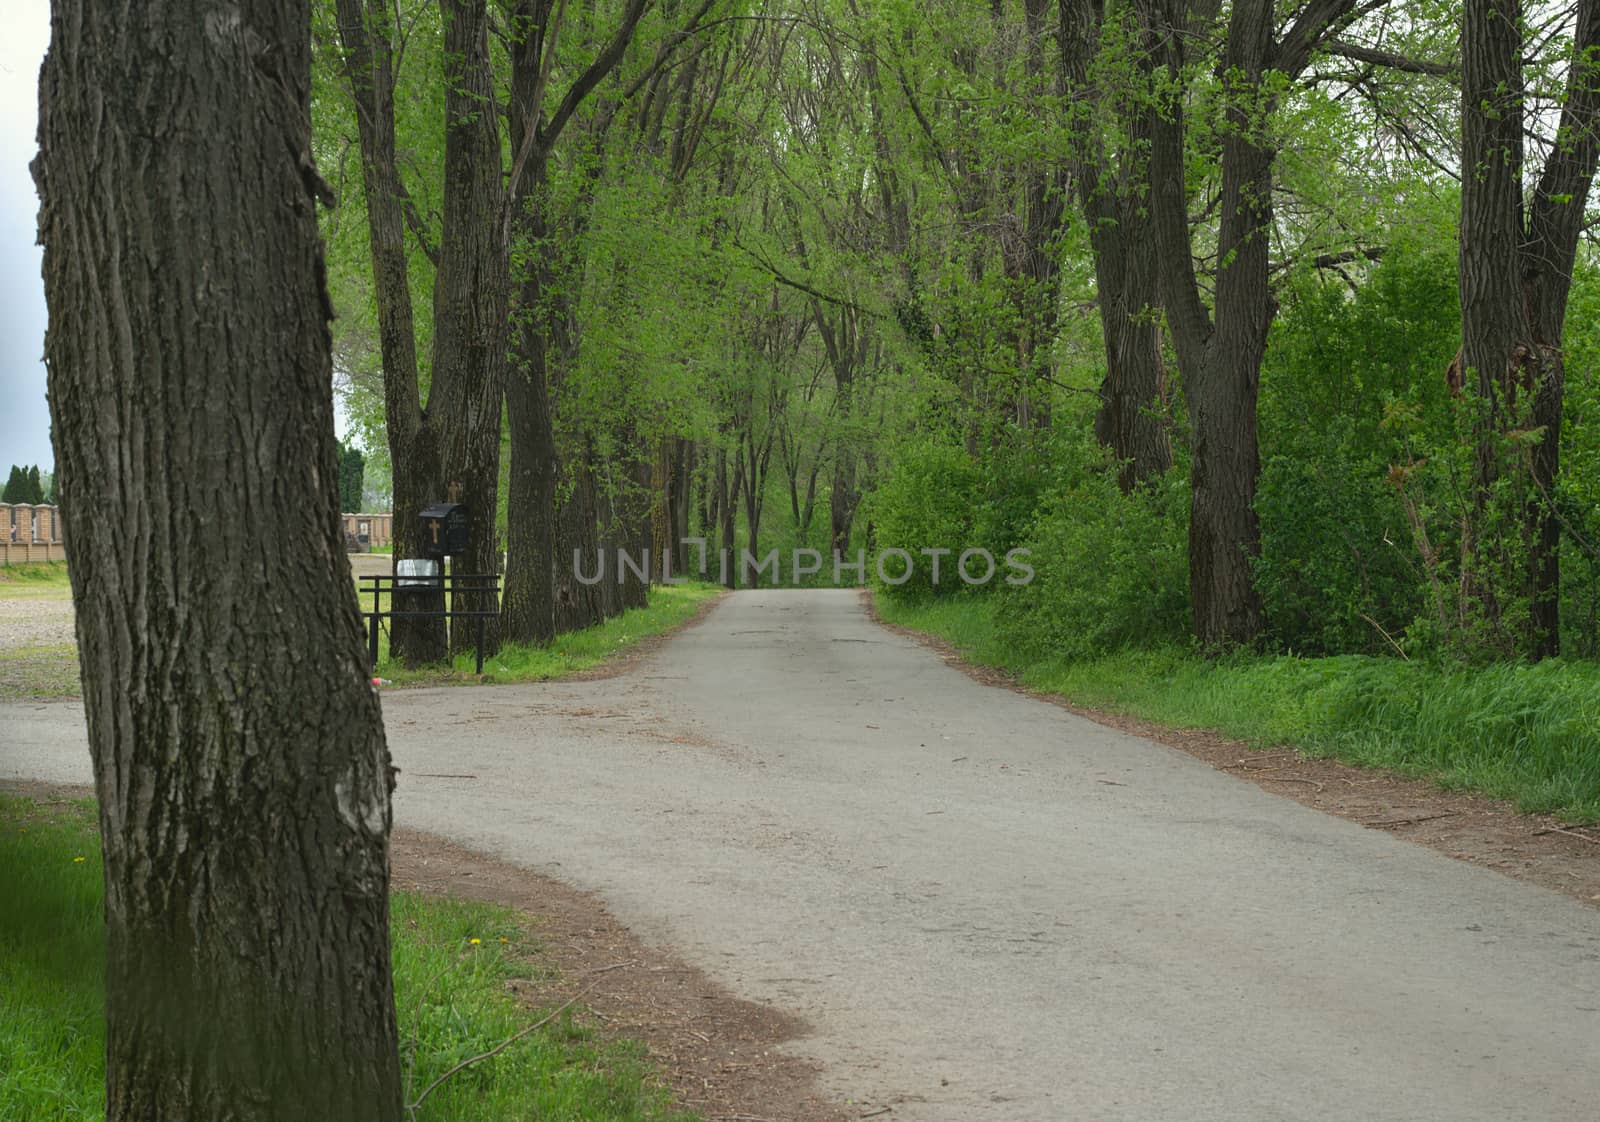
986,907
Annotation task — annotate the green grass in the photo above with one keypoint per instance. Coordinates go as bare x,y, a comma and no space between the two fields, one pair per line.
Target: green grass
1526,733
571,652
452,998
52,955
39,671
44,671
45,580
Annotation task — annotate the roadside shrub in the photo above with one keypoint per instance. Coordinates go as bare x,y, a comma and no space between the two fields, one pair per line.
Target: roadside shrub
929,500
1111,571
1351,384
1336,571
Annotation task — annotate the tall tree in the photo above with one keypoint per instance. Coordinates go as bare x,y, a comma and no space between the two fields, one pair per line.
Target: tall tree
1220,349
1111,123
451,444
352,472
1516,263
16,486
238,750
528,611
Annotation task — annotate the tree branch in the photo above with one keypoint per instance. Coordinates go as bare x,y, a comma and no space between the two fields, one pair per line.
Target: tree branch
597,70
801,286
1391,61
1305,35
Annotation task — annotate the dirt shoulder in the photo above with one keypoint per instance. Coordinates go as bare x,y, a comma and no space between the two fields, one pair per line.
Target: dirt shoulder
1472,828
720,1055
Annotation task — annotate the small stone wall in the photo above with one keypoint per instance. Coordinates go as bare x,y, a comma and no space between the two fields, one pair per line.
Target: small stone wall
29,533
365,532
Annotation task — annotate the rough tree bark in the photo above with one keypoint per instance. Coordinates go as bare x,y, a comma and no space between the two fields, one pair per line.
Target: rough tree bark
1132,419
238,749
1112,192
471,293
367,36
1515,265
1220,358
528,610
453,441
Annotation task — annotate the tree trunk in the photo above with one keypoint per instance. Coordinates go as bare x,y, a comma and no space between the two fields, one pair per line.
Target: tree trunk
367,37
528,609
730,516
238,748
683,495
1221,361
1516,262
1114,196
637,528
584,603
471,291
1132,419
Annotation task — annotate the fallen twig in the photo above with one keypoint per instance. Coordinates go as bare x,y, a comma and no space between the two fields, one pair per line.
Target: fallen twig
1569,833
516,1036
1290,779
875,1113
1387,823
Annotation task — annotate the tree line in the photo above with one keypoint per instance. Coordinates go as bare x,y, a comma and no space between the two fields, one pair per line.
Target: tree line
1254,324
708,270
28,485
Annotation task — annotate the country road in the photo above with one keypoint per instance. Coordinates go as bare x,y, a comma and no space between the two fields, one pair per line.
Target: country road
986,907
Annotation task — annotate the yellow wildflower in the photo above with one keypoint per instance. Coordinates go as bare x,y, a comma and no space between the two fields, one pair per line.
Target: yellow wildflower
474,942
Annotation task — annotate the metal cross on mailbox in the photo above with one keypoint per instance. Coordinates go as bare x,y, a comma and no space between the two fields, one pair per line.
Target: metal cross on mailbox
447,529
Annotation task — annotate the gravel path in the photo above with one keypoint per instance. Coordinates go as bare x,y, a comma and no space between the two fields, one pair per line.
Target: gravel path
35,622
986,907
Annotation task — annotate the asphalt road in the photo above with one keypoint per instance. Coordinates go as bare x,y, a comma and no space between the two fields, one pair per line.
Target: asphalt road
986,907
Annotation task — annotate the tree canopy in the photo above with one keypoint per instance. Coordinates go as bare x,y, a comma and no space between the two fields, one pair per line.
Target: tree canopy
945,271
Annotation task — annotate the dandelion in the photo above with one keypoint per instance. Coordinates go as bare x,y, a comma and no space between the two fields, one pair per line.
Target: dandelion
77,860
502,938
474,942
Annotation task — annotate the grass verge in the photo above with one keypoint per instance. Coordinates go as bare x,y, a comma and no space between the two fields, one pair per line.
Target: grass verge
34,670
571,652
43,579
1526,733
453,962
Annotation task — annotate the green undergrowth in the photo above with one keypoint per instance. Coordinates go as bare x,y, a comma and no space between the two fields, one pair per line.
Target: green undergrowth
571,652
1526,733
453,964
42,579
32,670
38,671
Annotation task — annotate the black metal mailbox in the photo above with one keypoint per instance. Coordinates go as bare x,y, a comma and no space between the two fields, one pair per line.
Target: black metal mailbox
445,528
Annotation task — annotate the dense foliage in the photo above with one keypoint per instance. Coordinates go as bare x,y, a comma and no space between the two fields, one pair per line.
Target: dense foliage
25,485
802,275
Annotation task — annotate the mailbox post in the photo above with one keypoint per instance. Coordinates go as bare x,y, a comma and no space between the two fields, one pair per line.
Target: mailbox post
445,529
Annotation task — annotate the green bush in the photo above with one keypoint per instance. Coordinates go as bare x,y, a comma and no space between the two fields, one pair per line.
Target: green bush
930,500
1337,562
1350,382
1112,571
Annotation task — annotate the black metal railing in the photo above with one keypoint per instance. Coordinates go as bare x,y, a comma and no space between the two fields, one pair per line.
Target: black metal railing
446,584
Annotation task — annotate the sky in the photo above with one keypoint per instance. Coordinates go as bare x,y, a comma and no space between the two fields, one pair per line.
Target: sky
24,416
24,412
